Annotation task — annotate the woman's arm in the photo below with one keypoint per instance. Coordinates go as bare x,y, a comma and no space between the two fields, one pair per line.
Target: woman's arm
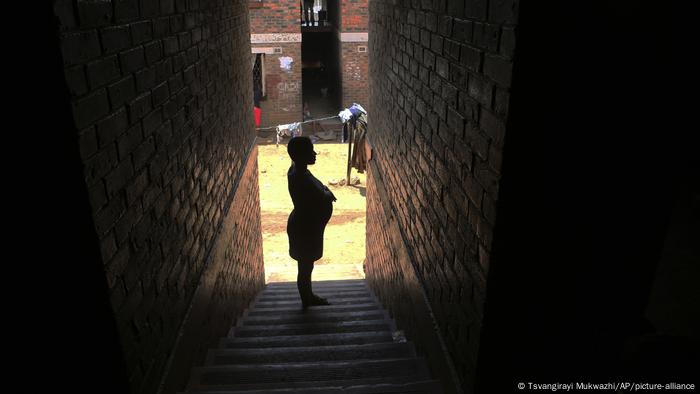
306,194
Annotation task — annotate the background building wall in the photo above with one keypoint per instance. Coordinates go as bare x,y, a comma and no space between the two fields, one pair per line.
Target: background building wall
276,16
354,52
160,92
355,15
283,88
439,89
355,73
276,24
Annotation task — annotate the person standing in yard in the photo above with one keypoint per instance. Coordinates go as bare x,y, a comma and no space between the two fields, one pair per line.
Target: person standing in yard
313,207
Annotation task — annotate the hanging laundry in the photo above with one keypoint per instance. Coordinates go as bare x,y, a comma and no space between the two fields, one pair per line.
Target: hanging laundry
286,63
359,156
256,115
356,109
352,112
290,130
345,115
358,106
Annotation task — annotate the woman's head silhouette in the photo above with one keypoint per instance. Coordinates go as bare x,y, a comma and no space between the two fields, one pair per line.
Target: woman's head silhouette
301,150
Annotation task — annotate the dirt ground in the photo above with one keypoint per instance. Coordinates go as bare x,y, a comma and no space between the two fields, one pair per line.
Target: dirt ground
344,241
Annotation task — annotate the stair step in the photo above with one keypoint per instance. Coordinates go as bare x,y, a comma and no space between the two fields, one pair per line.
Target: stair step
316,288
309,372
350,338
306,353
318,317
311,328
332,300
342,348
296,309
420,387
320,283
292,295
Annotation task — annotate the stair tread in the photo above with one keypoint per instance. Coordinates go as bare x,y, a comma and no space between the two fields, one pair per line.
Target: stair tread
311,328
257,320
309,371
414,387
322,288
333,300
283,366
296,309
286,295
346,347
321,283
265,387
308,340
290,287
316,353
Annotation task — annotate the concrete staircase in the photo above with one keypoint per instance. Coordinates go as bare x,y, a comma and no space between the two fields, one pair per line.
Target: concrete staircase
350,346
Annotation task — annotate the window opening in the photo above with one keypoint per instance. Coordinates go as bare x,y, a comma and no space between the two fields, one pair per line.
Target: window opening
259,75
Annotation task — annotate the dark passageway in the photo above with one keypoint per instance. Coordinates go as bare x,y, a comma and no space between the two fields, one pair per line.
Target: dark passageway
320,74
532,208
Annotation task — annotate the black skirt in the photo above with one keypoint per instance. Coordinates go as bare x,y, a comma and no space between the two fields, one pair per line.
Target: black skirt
307,221
305,234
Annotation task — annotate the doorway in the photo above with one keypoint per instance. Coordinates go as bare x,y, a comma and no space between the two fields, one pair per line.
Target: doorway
320,74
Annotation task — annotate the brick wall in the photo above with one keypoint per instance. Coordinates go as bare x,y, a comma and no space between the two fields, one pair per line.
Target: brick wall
354,15
439,89
390,273
159,96
355,73
283,88
234,274
276,16
354,65
276,24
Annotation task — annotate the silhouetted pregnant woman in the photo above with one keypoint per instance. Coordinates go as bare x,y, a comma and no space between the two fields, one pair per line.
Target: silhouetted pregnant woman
313,207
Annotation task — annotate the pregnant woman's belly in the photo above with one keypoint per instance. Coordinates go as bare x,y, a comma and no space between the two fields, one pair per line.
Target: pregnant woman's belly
310,221
326,212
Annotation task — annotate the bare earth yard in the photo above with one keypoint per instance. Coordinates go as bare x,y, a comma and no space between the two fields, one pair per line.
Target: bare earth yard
344,241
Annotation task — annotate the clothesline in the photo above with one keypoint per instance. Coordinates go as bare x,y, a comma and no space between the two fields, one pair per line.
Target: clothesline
306,121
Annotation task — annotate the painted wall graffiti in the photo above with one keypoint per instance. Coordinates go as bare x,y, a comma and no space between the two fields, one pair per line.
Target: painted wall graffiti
289,87
283,87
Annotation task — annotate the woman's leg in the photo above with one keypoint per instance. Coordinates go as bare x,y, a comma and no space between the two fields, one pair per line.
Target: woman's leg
304,285
304,280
